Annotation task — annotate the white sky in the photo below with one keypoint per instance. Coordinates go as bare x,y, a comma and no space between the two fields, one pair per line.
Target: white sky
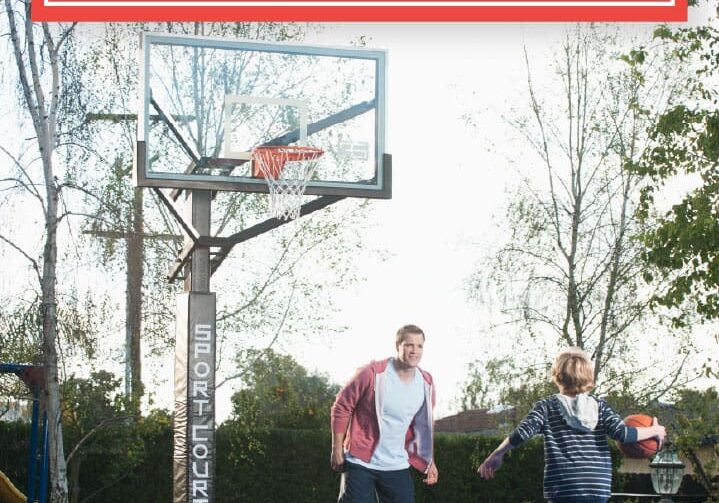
449,185
448,190
445,192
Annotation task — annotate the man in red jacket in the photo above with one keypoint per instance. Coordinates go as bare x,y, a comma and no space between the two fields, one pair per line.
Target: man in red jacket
382,424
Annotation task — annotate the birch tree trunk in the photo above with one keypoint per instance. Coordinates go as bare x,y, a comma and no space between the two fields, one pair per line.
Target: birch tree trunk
38,68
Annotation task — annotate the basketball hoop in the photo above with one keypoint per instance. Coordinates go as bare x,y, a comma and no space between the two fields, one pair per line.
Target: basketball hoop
287,169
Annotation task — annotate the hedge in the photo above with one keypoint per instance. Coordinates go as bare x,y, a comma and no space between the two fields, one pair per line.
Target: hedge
280,466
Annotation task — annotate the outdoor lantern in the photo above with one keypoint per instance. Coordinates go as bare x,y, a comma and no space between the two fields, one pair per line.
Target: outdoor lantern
667,471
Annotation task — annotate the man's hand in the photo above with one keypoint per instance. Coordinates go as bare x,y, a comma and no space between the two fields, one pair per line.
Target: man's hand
337,459
493,463
432,474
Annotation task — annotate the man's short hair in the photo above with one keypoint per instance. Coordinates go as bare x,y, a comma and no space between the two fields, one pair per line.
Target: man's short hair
407,329
573,370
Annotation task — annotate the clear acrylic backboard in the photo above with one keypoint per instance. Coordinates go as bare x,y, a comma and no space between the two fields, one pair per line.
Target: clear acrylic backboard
205,104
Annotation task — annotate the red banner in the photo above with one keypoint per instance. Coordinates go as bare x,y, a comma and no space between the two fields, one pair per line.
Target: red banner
360,10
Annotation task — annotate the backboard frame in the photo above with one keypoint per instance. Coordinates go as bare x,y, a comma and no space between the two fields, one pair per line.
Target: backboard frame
379,187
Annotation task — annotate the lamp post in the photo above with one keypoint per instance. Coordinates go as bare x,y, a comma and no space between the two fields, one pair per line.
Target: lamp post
667,472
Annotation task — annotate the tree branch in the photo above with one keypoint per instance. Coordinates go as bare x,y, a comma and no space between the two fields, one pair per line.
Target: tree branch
32,261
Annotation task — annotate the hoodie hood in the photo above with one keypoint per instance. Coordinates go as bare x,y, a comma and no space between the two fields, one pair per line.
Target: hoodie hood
581,412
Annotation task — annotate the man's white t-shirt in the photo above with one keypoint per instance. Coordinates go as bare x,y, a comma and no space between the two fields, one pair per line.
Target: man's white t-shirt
400,403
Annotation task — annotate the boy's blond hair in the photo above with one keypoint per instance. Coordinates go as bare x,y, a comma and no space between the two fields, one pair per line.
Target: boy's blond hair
573,371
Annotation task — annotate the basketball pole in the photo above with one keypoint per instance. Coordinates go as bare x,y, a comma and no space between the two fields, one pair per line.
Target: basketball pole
194,453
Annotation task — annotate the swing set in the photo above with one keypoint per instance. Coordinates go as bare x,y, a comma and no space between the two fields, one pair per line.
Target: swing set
37,467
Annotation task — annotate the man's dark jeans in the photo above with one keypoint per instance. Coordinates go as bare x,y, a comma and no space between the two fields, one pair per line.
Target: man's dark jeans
364,485
585,499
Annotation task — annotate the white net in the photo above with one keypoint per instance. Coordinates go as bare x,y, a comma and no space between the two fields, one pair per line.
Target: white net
287,169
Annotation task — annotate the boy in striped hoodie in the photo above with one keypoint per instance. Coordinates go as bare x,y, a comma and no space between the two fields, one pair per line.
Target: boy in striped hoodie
575,425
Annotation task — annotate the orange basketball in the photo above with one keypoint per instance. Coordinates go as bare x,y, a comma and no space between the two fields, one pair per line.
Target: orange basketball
643,449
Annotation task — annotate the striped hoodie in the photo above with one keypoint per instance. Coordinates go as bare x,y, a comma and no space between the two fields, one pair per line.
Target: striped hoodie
577,464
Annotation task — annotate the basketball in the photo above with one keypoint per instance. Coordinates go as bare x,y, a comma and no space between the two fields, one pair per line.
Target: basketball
643,449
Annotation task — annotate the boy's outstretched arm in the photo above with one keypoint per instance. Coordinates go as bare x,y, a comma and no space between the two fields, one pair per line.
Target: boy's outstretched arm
494,461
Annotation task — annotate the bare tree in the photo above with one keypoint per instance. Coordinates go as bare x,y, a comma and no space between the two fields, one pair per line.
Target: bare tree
39,51
571,271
